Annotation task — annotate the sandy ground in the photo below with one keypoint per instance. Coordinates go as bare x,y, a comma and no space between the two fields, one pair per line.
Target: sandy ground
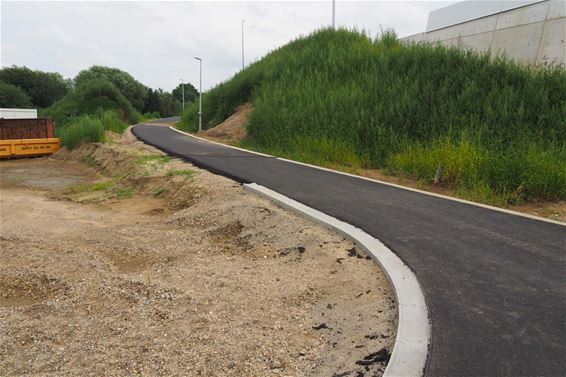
118,261
233,130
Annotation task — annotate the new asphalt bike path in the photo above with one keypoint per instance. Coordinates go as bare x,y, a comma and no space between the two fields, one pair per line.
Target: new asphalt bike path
494,282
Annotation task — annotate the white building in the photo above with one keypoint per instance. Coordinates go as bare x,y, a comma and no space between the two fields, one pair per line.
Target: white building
529,31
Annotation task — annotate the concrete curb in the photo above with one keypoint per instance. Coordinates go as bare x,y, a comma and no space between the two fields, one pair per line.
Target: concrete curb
511,212
411,347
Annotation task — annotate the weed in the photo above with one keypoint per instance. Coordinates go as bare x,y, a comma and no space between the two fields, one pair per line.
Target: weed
89,160
174,172
148,158
98,186
158,191
123,193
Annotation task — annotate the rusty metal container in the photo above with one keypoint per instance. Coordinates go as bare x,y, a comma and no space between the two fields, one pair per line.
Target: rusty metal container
27,137
12,129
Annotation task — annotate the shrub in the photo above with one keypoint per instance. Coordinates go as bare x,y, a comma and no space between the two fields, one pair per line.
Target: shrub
12,96
134,91
92,97
43,88
112,122
88,128
82,129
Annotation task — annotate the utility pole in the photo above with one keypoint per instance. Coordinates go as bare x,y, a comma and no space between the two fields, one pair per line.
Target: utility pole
333,14
200,96
243,43
183,91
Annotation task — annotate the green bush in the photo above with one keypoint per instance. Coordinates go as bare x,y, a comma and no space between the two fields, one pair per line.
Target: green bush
339,97
151,115
112,122
91,98
43,88
12,96
134,91
90,129
82,129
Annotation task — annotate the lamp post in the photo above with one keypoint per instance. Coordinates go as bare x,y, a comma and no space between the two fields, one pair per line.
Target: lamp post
200,96
243,43
183,91
333,14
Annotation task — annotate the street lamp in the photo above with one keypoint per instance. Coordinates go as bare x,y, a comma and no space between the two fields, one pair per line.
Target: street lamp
200,96
333,14
243,43
183,91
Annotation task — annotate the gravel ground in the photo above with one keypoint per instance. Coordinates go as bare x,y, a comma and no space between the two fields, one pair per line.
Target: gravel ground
117,261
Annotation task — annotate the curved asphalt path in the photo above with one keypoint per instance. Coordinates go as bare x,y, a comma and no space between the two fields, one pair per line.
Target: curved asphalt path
495,283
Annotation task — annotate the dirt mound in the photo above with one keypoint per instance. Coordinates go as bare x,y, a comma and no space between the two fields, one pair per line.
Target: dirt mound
132,170
232,129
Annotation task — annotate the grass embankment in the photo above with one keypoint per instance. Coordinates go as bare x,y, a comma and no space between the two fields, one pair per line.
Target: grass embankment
487,127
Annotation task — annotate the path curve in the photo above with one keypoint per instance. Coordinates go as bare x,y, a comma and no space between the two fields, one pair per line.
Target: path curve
494,282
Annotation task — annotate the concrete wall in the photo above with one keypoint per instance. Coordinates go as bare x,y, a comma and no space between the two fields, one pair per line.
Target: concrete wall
468,10
532,34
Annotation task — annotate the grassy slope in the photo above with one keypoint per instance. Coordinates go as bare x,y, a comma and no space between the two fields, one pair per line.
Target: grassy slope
488,127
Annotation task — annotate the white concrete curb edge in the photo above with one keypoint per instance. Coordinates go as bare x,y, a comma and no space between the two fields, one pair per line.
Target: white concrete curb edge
454,199
411,347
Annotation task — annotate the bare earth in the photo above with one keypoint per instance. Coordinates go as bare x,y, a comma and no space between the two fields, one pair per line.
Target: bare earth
233,130
117,261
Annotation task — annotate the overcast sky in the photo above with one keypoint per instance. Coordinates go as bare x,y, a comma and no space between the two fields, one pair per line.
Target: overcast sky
156,41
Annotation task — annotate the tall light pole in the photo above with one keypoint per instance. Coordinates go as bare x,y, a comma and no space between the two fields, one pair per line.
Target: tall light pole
200,96
333,14
183,91
243,43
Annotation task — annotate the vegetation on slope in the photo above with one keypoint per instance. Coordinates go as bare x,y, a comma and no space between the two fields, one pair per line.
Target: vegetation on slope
484,125
42,88
134,91
90,98
97,99
12,96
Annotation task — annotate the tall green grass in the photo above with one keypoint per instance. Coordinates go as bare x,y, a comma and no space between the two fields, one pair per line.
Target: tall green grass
87,128
485,124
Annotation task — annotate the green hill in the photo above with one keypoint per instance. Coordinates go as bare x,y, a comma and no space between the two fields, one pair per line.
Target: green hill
483,125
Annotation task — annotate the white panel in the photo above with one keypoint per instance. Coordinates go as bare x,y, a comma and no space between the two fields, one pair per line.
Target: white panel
519,43
18,113
479,42
557,9
553,49
523,15
470,10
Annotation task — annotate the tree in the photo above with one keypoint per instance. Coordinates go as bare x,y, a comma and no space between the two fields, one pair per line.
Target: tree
43,88
12,96
93,98
169,106
132,89
191,93
152,103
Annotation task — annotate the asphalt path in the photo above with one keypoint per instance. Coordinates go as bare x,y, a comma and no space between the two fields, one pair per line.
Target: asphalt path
495,283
